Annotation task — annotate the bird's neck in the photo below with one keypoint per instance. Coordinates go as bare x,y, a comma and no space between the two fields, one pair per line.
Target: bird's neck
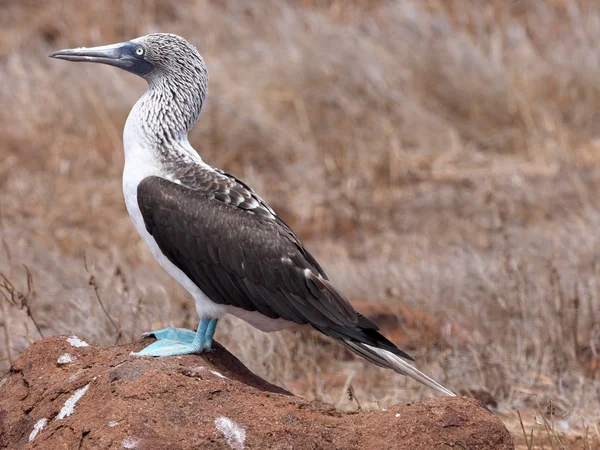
161,119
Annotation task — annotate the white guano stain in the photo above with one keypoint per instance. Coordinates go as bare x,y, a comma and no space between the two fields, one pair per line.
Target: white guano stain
39,426
130,442
69,406
234,434
214,372
397,415
76,342
65,358
113,423
220,375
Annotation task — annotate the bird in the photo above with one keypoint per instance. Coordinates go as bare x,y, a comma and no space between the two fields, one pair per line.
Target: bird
212,232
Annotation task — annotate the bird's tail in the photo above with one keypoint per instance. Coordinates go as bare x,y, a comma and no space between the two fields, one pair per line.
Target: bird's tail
387,359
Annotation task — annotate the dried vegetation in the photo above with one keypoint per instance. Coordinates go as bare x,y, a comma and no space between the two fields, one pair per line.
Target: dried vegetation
441,158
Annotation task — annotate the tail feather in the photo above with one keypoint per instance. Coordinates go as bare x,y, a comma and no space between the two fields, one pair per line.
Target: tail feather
387,359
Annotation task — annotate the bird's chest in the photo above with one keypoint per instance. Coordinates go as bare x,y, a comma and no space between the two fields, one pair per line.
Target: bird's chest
140,162
137,167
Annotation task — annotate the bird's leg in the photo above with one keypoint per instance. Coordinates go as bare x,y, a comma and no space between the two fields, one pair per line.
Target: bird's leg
210,332
178,341
199,338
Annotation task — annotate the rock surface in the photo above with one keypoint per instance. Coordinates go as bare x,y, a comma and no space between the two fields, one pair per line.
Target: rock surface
64,394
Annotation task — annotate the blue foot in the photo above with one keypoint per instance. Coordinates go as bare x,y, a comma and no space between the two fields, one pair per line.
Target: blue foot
166,347
179,341
173,334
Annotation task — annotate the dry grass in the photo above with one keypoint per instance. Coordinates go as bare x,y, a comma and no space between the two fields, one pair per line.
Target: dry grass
439,154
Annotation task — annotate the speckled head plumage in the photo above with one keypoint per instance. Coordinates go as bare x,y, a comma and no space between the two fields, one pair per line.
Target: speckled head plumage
146,56
176,75
178,82
171,65
170,55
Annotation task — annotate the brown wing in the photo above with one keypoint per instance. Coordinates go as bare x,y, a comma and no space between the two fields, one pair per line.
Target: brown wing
240,254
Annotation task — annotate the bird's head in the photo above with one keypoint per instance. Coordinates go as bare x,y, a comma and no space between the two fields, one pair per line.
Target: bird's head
151,56
173,68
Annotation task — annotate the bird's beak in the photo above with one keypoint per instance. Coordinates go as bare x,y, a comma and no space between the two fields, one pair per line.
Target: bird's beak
120,55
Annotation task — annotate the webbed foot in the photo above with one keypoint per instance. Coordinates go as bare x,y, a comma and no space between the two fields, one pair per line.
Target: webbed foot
167,347
179,341
173,334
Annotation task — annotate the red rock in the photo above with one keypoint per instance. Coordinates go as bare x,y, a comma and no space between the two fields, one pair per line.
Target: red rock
100,397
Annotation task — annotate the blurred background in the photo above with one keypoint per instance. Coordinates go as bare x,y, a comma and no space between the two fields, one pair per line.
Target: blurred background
440,158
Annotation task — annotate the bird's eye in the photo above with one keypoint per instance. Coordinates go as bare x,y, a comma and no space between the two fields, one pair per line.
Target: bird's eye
139,51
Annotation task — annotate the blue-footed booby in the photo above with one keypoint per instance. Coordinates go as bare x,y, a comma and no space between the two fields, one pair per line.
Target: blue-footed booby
212,232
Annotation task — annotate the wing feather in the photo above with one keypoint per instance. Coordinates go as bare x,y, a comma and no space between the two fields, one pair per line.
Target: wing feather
247,258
